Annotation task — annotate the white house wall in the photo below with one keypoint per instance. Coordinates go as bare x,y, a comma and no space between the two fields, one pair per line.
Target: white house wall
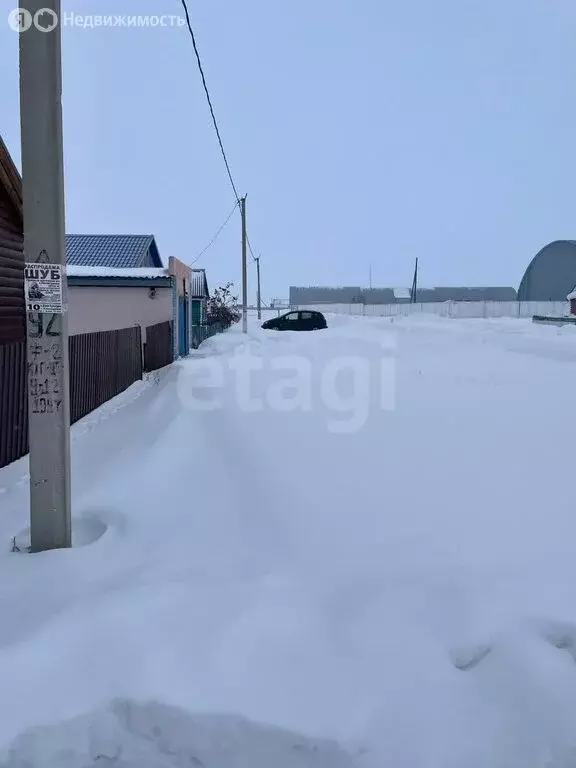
108,308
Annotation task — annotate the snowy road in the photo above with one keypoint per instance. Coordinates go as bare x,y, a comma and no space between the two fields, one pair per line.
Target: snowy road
317,558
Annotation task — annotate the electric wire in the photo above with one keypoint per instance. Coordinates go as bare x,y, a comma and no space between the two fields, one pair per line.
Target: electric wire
212,113
211,243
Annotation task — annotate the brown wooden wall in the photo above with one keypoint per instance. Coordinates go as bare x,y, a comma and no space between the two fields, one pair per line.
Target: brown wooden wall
13,402
12,316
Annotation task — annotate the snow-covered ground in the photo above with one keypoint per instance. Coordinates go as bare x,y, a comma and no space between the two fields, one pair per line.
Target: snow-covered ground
380,555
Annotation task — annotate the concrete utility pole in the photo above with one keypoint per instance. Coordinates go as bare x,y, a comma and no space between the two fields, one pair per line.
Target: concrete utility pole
258,302
44,251
244,273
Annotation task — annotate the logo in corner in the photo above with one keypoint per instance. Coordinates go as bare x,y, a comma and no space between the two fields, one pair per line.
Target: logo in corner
20,20
45,20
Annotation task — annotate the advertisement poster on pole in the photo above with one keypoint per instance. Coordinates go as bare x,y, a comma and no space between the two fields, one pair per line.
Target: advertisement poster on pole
43,288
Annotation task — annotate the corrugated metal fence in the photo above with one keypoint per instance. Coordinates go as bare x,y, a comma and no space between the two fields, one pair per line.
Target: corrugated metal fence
158,350
462,309
102,365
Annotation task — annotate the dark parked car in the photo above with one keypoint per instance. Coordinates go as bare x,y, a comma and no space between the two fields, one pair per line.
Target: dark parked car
303,320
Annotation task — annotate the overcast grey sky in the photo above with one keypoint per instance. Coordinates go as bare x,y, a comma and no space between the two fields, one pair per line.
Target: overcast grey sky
362,130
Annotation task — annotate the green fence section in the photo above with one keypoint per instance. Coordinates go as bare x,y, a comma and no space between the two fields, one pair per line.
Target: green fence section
196,312
202,332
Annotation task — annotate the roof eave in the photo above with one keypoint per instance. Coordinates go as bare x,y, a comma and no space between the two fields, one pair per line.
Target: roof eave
124,282
154,252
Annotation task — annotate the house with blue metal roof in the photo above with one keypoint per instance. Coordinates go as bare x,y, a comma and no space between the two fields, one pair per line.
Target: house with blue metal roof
119,280
116,251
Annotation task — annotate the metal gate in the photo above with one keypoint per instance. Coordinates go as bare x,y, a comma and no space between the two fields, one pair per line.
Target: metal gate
158,349
183,341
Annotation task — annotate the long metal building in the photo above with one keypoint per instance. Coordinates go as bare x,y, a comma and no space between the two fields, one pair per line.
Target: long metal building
353,294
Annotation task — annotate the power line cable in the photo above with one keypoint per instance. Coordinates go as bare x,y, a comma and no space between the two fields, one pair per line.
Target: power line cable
250,248
207,92
203,251
214,121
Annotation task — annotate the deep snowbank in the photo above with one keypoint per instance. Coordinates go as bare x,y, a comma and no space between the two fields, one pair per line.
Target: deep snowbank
152,735
260,560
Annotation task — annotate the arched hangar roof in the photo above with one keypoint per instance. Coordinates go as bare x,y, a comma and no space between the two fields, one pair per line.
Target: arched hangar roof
551,275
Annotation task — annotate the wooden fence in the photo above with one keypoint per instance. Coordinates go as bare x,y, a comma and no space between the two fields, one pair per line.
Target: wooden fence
102,365
158,349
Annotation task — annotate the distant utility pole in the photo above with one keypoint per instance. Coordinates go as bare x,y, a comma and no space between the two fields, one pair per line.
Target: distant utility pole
45,275
370,276
244,271
414,283
258,302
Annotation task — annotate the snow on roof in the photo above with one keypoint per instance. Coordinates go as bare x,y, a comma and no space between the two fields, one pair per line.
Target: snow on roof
402,293
75,270
572,295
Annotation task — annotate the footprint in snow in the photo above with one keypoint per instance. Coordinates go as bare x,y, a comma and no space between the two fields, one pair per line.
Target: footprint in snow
560,634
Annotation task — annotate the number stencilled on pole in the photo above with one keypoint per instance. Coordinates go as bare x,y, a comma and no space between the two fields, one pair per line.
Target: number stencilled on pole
37,320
